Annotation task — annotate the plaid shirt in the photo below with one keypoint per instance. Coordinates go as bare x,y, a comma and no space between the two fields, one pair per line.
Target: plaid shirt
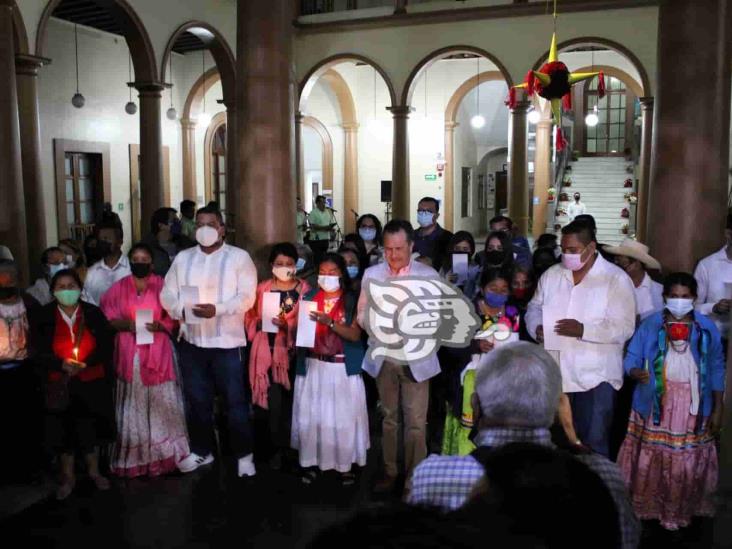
447,481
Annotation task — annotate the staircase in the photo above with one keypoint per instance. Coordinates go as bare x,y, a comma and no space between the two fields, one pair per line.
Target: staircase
600,182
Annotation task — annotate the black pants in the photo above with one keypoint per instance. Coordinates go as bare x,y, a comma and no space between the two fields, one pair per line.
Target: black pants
319,248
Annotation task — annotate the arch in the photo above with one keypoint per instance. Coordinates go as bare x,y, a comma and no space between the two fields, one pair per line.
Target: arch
327,162
195,96
19,32
645,81
220,51
217,121
436,55
632,84
343,95
451,111
323,66
134,32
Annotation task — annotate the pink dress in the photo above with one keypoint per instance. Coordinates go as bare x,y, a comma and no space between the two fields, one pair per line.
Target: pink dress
151,429
671,470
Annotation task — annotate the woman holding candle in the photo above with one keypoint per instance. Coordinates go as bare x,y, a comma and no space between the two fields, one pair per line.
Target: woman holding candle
151,428
272,356
669,458
330,425
75,351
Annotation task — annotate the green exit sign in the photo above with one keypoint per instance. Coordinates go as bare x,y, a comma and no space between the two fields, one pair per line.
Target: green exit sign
430,177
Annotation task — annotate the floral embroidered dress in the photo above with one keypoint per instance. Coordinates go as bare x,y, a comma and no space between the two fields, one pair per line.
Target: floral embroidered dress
459,417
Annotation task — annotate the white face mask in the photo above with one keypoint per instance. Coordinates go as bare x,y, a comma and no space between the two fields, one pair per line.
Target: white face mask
425,219
679,307
207,236
53,269
285,274
70,261
329,283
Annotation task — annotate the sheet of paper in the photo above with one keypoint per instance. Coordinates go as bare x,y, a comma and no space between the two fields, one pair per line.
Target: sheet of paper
189,296
728,290
306,326
143,336
460,267
552,341
270,309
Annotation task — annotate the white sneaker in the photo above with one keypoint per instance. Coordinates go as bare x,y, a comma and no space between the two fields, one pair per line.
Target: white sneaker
193,461
246,466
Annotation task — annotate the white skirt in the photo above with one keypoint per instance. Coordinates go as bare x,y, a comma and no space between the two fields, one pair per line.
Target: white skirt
330,424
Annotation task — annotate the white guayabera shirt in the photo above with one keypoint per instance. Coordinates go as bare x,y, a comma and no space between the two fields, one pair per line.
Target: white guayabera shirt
604,302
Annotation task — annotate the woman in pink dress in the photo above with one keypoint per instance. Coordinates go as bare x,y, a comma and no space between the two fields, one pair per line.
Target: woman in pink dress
669,458
151,429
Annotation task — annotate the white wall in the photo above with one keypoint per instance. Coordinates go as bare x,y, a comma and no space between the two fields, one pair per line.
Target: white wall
103,74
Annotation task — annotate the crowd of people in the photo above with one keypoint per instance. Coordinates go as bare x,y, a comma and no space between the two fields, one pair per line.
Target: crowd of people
585,358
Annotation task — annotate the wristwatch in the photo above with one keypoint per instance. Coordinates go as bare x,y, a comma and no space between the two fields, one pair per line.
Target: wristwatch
332,324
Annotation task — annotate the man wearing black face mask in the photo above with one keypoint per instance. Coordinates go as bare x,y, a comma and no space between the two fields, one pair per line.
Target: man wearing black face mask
17,387
112,267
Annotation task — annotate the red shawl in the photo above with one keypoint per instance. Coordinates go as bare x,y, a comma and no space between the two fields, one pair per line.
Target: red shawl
261,357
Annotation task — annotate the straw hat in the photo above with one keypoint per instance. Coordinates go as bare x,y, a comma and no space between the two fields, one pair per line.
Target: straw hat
631,248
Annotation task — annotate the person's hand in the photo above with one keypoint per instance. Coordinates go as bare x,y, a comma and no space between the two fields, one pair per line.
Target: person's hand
540,333
452,278
319,317
569,327
722,307
640,375
72,367
715,421
154,326
204,310
279,322
485,345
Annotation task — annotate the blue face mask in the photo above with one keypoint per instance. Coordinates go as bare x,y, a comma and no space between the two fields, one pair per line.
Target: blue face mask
300,264
352,271
425,218
495,300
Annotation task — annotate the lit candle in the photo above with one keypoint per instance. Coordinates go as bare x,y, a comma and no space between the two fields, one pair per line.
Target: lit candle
76,354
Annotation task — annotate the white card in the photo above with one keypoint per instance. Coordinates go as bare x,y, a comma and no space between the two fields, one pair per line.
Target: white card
143,336
270,309
552,341
512,338
306,326
460,267
189,297
728,290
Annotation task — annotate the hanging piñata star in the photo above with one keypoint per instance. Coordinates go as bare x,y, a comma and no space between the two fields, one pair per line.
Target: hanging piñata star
553,81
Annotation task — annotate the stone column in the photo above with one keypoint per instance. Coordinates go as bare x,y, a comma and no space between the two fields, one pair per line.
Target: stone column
151,151
542,174
12,206
266,209
299,158
400,205
188,146
690,158
350,177
448,216
26,67
518,169
641,229
232,167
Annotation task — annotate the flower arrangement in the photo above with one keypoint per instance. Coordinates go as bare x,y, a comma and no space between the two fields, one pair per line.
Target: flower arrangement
563,197
551,194
625,213
628,183
567,180
625,229
631,197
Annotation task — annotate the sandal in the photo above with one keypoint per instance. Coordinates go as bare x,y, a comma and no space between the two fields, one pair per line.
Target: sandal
102,483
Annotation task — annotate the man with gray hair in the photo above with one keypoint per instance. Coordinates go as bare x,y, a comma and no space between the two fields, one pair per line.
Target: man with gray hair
517,391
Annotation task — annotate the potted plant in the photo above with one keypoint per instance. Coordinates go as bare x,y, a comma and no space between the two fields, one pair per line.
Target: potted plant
625,229
625,213
557,227
563,197
551,193
631,197
628,183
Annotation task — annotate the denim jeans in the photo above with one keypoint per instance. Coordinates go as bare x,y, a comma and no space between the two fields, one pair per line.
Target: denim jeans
205,372
593,412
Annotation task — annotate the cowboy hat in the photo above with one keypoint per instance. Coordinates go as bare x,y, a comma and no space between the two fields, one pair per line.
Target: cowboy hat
631,248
